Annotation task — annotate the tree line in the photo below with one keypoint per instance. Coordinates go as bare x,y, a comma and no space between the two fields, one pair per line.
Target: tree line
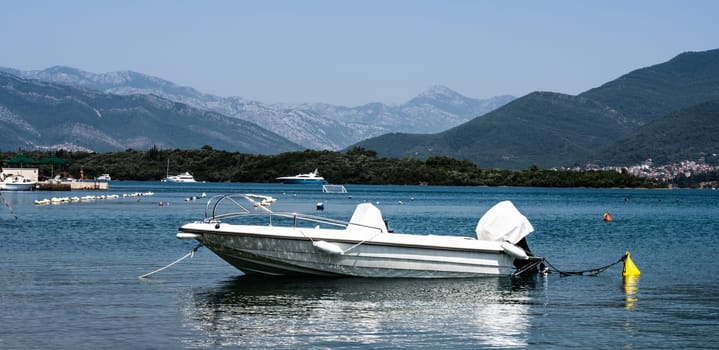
355,166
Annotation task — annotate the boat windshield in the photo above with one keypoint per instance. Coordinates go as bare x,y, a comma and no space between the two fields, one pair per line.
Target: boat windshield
367,217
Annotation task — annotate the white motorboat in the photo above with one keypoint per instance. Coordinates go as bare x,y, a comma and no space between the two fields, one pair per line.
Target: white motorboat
305,179
103,178
10,182
184,177
282,244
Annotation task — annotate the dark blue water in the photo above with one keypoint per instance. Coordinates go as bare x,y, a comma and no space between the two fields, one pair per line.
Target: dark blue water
68,275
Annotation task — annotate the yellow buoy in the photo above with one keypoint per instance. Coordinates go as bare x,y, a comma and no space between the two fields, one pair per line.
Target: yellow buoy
630,269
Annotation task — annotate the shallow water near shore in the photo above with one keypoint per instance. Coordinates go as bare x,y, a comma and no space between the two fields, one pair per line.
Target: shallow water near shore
70,274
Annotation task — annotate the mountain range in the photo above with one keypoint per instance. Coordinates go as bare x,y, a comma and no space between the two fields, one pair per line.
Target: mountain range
41,115
621,122
667,112
314,126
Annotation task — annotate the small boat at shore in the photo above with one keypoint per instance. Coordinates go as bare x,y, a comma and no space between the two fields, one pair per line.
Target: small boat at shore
264,242
10,182
103,178
305,179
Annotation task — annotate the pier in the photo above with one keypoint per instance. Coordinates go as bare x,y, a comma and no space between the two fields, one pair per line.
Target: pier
56,185
70,186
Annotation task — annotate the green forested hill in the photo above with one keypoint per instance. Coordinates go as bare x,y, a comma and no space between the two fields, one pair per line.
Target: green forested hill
356,166
651,93
691,133
552,130
543,128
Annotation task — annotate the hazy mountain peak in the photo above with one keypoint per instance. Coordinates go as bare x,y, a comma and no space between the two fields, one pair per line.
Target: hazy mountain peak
59,74
60,70
439,91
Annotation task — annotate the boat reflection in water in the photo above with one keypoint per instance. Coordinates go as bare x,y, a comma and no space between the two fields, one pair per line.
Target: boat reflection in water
378,313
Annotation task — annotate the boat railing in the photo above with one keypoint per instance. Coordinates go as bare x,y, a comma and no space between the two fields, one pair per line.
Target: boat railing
334,189
216,206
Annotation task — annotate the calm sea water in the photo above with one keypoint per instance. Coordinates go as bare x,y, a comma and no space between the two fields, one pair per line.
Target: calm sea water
69,275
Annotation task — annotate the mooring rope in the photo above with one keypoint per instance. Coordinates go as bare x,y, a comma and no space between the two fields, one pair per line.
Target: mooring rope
534,261
363,242
589,272
190,254
2,199
306,236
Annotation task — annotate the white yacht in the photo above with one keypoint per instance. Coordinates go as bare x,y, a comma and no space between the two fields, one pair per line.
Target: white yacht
306,179
184,177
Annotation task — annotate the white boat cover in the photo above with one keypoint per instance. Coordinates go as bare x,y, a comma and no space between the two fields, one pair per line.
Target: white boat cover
503,222
367,217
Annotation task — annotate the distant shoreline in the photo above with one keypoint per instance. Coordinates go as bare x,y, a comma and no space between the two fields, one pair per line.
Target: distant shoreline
356,166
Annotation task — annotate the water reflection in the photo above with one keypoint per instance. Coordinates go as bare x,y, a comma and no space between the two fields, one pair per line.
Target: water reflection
261,313
631,287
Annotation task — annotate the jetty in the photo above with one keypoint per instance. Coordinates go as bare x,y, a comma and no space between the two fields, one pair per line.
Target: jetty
72,186
56,184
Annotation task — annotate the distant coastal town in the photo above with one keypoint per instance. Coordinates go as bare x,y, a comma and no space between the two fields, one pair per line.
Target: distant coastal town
673,173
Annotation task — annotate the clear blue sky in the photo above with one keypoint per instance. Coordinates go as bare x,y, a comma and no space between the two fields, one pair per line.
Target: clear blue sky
355,52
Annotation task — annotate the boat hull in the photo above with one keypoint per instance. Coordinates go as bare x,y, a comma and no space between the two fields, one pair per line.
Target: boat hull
292,255
21,186
304,181
179,180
